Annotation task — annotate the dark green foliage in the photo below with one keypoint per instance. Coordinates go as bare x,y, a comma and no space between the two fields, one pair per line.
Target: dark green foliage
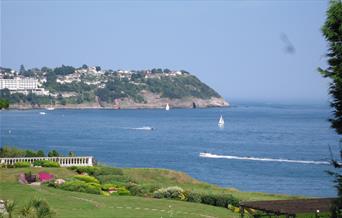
89,170
53,153
22,164
40,153
222,200
208,199
180,87
7,151
45,163
141,190
332,31
194,197
71,154
64,70
4,103
119,88
31,98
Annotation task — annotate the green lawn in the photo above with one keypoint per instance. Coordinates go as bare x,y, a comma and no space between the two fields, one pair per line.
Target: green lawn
75,204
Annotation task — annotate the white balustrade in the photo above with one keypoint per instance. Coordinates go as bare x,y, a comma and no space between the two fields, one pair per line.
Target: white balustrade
63,161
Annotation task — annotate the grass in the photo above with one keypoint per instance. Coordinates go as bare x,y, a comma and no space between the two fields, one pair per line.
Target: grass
76,204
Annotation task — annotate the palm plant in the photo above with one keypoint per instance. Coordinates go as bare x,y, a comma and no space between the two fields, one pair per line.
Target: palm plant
9,206
36,208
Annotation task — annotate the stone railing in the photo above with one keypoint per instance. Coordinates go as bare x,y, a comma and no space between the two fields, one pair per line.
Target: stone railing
63,161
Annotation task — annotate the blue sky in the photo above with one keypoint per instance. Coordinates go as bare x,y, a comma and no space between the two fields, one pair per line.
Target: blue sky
234,46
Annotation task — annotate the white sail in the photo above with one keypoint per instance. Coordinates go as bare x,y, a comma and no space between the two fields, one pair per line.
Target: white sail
221,121
167,107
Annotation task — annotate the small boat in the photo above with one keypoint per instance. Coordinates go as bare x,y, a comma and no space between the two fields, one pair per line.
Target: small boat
42,113
167,107
50,108
221,122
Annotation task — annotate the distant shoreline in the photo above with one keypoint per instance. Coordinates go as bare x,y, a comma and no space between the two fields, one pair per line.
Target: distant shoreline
157,104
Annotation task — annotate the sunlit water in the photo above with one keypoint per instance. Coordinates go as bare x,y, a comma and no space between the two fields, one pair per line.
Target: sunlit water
264,148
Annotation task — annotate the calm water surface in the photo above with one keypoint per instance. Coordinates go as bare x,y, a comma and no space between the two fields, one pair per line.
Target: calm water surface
262,148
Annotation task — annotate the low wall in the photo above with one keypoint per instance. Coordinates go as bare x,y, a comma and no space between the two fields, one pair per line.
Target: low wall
63,161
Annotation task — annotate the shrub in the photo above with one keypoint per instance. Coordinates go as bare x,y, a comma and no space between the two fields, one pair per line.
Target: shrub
208,199
89,170
81,186
174,192
22,164
87,179
142,190
194,197
46,163
123,191
222,200
108,186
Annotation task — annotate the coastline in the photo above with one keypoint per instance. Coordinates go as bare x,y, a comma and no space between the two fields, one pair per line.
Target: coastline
130,104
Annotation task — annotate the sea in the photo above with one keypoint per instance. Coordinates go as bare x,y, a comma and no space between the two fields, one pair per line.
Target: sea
274,148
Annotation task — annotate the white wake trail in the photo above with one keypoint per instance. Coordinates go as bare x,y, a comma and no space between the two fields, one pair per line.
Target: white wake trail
209,155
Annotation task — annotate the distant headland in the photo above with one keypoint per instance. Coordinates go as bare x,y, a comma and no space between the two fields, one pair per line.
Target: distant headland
94,87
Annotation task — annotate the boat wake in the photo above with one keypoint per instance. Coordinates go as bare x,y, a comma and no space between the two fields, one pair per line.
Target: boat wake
209,155
147,128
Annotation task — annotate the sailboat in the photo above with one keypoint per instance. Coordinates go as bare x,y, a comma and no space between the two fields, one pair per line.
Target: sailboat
221,122
167,107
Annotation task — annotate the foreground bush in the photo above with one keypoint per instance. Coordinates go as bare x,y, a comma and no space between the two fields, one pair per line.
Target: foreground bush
97,171
222,200
81,186
45,163
22,164
194,197
174,192
87,179
79,169
142,190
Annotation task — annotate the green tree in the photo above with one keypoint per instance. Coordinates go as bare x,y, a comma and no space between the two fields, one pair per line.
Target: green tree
53,153
4,103
71,154
332,31
40,153
22,69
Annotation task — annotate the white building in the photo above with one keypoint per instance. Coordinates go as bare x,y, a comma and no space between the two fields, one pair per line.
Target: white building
23,85
19,84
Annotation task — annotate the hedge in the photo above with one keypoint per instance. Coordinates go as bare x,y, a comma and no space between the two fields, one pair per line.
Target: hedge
46,163
22,164
81,186
173,192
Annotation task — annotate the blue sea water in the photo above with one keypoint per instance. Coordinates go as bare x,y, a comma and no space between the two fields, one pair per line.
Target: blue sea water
262,148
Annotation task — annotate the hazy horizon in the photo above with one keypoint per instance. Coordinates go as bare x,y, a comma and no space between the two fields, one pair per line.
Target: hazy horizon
261,51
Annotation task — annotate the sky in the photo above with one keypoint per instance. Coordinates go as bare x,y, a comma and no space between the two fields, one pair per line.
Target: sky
246,50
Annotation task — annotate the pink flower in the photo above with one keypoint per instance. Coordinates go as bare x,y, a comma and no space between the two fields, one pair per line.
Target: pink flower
44,177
